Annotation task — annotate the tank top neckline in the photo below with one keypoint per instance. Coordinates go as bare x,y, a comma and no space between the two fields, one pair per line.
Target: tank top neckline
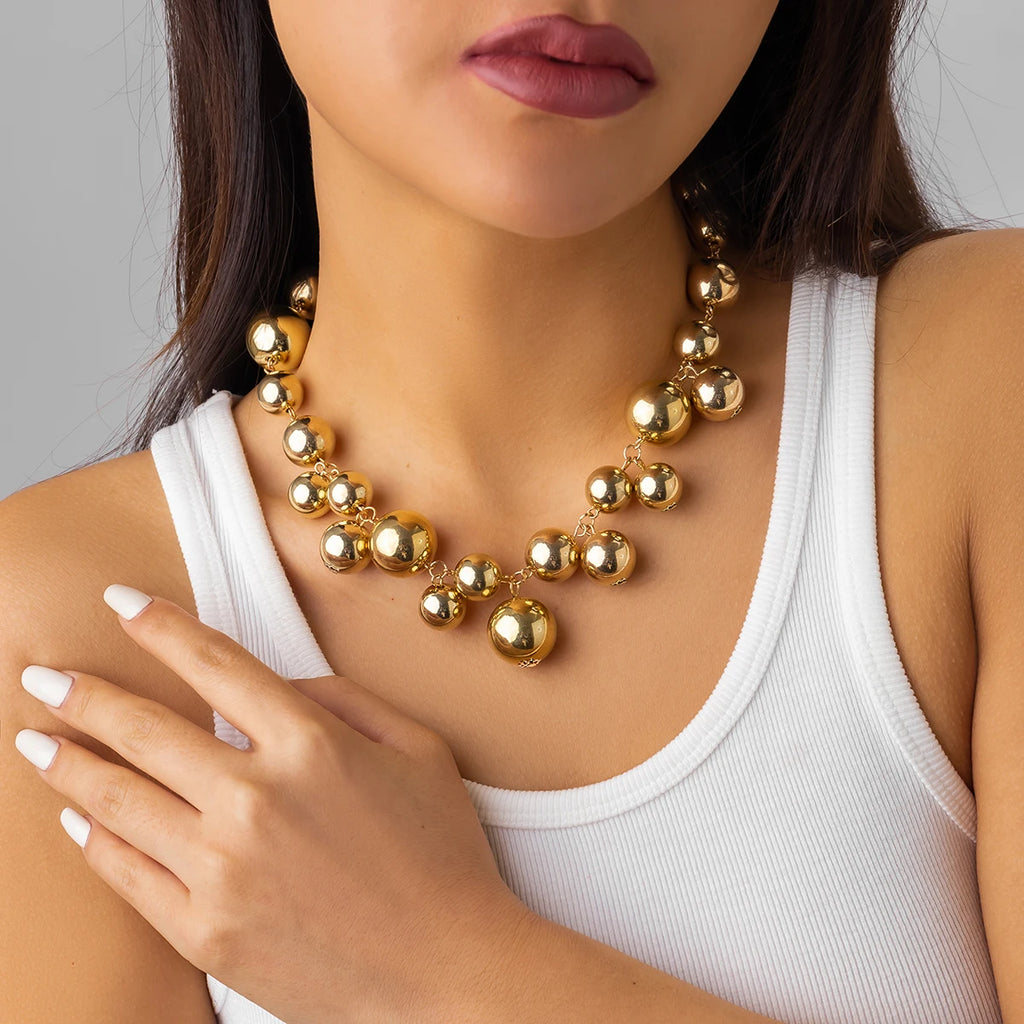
539,809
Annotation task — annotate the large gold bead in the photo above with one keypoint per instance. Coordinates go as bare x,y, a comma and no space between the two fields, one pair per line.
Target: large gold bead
552,554
608,488
307,440
695,342
442,607
403,542
658,486
717,393
345,548
278,391
476,577
659,411
608,557
712,280
302,296
522,630
307,494
348,492
277,336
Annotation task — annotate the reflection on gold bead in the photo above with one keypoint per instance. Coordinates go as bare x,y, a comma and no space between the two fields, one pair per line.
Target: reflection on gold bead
695,342
278,390
712,280
307,494
442,607
308,440
717,393
279,336
608,557
659,411
522,630
608,488
552,554
476,576
658,486
345,548
403,542
348,492
302,296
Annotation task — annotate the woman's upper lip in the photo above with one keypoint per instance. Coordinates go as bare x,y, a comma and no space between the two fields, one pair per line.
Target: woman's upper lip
564,38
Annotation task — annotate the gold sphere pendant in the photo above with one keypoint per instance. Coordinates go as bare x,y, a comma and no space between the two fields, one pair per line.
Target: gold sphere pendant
717,393
345,548
522,630
608,488
278,391
308,440
403,542
302,296
307,494
658,486
476,577
552,554
348,492
442,607
277,339
659,411
696,342
712,280
608,557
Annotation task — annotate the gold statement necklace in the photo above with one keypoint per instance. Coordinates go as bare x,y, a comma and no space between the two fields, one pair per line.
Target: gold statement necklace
403,542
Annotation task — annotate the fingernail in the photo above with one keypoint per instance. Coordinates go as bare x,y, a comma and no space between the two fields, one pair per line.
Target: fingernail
46,684
126,601
75,825
39,748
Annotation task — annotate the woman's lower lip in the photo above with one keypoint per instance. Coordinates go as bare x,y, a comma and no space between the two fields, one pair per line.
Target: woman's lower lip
575,90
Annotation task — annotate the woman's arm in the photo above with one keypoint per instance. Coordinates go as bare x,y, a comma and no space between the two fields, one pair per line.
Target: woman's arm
70,948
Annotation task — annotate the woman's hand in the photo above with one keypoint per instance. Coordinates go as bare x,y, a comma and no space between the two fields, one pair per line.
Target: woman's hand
335,871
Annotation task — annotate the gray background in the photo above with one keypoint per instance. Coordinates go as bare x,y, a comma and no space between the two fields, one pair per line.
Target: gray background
86,215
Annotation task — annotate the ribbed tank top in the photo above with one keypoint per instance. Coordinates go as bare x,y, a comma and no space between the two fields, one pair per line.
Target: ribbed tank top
803,847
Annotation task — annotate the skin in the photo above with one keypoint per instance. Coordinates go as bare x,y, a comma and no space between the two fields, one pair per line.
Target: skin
498,212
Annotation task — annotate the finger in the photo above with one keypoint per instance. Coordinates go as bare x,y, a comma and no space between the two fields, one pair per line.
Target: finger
173,750
248,694
156,893
154,821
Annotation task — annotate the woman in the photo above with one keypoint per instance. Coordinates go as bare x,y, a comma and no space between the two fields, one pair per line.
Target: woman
727,792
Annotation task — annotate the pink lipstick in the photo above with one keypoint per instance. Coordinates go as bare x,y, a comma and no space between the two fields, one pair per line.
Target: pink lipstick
563,66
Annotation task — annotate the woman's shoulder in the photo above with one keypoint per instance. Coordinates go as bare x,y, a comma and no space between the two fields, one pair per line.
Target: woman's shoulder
61,543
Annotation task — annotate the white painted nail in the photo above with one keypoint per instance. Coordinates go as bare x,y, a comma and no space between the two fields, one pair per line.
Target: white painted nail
39,748
126,601
75,825
46,684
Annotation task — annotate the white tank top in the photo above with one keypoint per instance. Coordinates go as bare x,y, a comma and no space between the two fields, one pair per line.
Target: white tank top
803,847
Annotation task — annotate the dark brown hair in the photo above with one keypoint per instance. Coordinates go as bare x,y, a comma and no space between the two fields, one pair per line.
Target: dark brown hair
805,164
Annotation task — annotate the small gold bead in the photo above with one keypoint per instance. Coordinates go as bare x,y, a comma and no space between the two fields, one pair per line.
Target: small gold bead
522,630
717,393
307,440
476,577
302,296
348,492
278,391
608,557
277,336
552,554
695,342
659,411
307,494
608,488
712,280
658,486
345,548
712,239
403,542
442,607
